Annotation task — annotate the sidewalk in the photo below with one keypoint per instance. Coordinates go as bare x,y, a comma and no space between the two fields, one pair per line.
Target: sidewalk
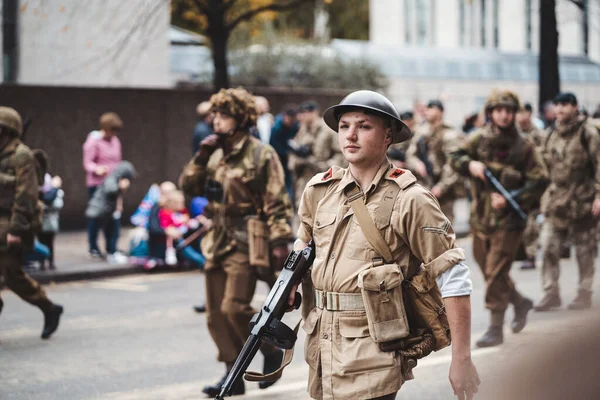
73,263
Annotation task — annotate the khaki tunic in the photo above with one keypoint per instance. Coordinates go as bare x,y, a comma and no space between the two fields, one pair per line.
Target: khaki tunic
344,362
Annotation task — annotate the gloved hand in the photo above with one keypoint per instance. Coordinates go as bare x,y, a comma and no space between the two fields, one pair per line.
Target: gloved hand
207,147
278,256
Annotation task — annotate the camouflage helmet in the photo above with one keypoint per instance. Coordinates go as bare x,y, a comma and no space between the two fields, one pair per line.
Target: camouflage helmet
10,119
238,104
502,98
373,102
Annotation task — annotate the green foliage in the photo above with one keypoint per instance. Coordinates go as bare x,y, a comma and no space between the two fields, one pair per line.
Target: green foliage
348,19
303,65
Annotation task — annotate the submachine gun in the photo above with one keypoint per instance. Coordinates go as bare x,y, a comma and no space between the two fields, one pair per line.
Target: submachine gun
510,197
266,325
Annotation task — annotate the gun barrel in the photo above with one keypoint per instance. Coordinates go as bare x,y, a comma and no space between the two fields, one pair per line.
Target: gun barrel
502,190
248,352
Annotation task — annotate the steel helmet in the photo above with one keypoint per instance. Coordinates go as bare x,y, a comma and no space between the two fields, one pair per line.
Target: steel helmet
371,101
502,98
10,118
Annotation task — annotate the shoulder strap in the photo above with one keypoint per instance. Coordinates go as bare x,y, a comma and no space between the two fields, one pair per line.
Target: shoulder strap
584,143
366,223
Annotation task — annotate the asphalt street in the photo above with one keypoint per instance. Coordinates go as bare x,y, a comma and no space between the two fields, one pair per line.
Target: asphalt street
137,337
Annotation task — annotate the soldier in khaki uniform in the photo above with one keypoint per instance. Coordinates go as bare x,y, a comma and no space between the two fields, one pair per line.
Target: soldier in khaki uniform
242,179
315,148
532,230
497,228
344,361
571,204
433,142
19,214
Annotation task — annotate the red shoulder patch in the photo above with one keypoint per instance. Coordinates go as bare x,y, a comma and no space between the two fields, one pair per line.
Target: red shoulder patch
396,173
327,175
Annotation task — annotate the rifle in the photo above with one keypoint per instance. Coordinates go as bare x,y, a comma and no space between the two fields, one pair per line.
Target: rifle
505,193
26,126
266,325
424,157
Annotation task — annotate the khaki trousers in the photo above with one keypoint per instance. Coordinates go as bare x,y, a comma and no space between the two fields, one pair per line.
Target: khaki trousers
584,239
230,286
495,255
11,267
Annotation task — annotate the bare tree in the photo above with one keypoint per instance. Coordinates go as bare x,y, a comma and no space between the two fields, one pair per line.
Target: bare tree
216,19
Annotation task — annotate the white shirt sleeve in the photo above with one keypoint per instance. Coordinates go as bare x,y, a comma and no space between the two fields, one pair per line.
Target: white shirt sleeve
455,281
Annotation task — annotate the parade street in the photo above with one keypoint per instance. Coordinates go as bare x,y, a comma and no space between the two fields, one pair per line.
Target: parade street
137,337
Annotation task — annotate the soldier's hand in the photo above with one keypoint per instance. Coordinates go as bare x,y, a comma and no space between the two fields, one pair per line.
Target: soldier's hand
436,191
464,378
292,296
477,170
278,255
124,184
12,240
420,168
596,207
208,146
498,201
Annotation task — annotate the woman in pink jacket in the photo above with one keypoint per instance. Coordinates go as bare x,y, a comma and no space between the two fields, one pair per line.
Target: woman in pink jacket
101,154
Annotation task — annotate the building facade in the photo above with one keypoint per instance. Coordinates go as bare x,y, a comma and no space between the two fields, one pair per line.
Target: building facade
86,43
469,47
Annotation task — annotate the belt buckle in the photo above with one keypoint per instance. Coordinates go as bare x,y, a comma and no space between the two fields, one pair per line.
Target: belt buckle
333,303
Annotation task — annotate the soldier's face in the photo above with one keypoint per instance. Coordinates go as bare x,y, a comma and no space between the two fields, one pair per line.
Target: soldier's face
433,114
224,124
503,117
363,138
565,112
523,117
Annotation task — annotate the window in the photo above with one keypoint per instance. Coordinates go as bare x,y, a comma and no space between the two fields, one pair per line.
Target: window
407,22
496,24
422,19
528,24
462,20
483,24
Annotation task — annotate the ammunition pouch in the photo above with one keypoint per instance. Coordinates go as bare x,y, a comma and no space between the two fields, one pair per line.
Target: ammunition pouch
381,289
258,248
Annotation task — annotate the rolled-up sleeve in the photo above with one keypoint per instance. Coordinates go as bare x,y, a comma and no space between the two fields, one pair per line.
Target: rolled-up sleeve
456,281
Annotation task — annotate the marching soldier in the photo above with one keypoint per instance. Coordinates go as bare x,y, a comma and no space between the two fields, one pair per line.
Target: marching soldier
19,211
497,229
250,211
315,148
532,229
397,151
345,361
428,156
572,201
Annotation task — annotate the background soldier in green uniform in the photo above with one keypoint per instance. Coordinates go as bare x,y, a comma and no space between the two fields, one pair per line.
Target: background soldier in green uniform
532,230
250,210
428,156
315,148
19,216
572,201
497,229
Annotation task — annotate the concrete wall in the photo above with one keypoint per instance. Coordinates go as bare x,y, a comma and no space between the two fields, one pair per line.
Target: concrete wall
156,138
94,43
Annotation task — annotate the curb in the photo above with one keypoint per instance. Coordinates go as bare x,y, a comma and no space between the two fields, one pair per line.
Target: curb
46,278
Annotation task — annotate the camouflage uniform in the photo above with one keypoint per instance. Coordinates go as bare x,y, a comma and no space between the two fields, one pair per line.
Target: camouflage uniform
249,175
517,164
325,152
438,142
532,229
567,203
19,214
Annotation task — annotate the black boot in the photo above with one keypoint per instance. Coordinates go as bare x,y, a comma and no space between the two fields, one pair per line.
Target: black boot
51,320
272,363
493,337
200,308
528,264
549,301
520,319
214,390
583,301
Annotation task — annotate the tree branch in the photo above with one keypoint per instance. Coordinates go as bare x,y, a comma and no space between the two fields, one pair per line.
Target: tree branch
271,7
